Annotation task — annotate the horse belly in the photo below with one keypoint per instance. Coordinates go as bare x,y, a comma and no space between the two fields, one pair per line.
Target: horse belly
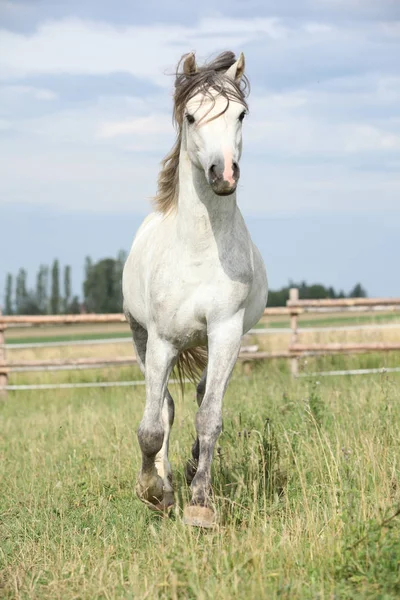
258,296
183,328
179,312
184,314
135,274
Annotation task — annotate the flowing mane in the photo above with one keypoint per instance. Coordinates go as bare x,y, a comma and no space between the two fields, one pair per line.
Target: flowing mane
202,80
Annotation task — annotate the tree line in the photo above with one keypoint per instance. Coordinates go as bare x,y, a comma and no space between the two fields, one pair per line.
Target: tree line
314,291
52,291
102,290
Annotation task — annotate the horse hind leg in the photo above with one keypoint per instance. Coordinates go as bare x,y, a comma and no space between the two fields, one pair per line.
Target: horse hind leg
192,463
154,485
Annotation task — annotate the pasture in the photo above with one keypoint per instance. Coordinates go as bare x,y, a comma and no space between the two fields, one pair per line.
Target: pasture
306,482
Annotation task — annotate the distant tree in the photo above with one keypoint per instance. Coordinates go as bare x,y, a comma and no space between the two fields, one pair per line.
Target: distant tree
74,306
119,267
88,264
88,269
316,291
21,293
331,292
42,284
31,306
67,288
55,289
358,292
309,292
278,297
8,301
102,287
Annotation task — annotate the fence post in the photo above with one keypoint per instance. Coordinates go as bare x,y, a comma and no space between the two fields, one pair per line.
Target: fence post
294,362
3,369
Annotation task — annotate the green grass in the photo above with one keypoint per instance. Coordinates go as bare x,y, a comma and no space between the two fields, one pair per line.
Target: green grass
336,321
73,337
306,481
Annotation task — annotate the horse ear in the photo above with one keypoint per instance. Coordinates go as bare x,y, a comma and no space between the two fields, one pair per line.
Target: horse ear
236,71
189,64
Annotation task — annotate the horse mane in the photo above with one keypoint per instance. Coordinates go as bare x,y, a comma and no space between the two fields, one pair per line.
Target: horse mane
210,76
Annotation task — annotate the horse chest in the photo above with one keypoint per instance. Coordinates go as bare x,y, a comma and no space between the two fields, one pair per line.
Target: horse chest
201,292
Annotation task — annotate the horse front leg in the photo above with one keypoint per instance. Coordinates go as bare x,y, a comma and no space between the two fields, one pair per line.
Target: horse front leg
154,486
224,345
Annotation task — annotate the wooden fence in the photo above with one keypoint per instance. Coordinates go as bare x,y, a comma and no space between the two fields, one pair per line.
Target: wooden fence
294,310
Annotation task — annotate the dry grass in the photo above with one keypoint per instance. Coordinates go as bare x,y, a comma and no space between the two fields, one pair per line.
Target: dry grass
71,351
280,341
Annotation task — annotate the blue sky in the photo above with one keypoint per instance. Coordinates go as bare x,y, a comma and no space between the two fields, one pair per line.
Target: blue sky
85,118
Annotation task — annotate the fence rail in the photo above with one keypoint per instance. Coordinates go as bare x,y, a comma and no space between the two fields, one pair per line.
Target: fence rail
340,302
294,309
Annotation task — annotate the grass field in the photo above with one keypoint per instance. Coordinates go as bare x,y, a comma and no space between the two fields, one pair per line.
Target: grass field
306,486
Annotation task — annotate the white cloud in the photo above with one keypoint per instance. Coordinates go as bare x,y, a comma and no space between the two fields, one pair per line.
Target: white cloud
12,92
317,28
156,124
304,137
75,178
288,188
272,28
47,95
313,143
328,122
83,47
17,99
392,29
5,125
366,137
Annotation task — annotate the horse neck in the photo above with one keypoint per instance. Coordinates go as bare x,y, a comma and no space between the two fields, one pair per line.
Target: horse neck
201,213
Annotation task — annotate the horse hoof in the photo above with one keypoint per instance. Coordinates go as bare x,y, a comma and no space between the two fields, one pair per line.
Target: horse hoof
167,502
199,516
154,496
162,507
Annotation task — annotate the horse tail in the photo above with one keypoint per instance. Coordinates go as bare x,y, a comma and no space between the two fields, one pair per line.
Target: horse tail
191,364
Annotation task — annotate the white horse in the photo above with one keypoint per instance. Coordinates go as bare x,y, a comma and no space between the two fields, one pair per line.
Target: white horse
194,282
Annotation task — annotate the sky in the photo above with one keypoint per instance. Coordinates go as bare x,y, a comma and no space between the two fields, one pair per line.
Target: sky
85,119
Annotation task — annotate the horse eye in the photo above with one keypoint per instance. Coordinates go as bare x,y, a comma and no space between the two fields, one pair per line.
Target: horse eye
242,115
190,118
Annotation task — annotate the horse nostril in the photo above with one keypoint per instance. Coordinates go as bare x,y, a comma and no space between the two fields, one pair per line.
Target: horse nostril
235,169
212,173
